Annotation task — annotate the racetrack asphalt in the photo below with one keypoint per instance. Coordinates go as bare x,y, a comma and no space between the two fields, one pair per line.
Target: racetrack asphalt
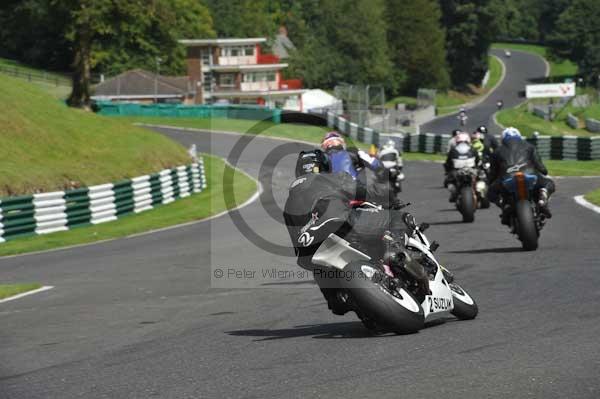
137,317
521,69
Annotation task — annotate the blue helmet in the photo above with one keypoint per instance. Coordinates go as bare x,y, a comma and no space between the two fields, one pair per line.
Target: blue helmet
511,134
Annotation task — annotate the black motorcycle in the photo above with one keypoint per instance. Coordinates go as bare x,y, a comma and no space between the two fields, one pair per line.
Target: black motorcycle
524,216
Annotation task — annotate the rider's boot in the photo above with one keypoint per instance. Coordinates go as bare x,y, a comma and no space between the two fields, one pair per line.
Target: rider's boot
543,203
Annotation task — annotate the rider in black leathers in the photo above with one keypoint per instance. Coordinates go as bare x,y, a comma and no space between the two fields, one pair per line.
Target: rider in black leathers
516,152
489,141
319,204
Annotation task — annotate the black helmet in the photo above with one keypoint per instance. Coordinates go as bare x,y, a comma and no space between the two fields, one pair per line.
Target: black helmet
314,161
482,129
455,132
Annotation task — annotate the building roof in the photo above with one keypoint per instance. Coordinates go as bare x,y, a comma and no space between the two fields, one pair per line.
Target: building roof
140,83
220,42
281,46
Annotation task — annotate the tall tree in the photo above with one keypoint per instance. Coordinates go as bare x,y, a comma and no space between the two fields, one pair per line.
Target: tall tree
468,38
243,18
114,35
348,44
417,44
577,37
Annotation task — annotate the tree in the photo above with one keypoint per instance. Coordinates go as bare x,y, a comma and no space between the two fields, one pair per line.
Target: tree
243,18
115,35
577,37
417,44
468,38
348,44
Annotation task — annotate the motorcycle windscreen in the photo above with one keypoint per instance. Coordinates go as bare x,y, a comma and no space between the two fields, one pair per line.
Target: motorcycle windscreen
337,252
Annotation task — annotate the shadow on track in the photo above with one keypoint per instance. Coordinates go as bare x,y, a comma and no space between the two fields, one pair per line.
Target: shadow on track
446,223
353,329
489,251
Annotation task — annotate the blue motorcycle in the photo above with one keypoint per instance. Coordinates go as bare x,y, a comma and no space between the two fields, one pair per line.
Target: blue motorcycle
525,218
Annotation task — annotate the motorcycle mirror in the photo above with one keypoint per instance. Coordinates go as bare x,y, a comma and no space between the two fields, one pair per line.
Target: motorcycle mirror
434,246
423,226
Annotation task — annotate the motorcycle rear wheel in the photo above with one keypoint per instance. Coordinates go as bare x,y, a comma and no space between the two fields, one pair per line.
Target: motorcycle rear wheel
526,229
467,204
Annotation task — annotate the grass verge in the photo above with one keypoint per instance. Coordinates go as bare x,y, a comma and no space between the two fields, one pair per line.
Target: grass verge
195,207
46,146
528,123
573,168
8,290
593,197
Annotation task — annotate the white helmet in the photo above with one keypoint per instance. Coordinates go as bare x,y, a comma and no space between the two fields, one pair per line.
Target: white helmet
389,144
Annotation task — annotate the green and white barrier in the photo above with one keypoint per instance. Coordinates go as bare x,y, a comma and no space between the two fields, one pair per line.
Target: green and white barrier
549,147
62,210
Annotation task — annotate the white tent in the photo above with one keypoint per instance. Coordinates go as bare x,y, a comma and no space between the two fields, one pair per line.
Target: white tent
319,100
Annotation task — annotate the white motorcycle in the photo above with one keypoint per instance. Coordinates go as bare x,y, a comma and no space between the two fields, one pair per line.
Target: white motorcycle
392,299
391,159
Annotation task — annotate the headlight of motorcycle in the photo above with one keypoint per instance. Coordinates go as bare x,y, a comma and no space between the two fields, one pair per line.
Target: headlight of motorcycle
480,186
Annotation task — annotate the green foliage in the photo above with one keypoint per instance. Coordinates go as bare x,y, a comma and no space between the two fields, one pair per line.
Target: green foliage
577,37
468,38
417,44
347,44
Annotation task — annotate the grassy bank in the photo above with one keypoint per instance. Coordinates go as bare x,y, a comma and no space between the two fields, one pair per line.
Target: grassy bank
8,290
196,207
47,146
528,123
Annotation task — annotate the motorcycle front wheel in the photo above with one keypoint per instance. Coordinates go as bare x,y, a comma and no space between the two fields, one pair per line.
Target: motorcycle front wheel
465,307
399,311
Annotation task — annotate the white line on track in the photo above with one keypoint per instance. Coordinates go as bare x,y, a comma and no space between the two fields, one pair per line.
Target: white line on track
586,204
18,296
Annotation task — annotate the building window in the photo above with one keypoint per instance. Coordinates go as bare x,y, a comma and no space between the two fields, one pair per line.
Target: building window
227,80
205,56
269,76
249,50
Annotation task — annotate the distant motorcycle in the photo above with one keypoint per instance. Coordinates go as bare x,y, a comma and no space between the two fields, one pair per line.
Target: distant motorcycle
391,159
525,218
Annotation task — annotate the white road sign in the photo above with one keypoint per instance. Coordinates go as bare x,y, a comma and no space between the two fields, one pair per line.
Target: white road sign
550,90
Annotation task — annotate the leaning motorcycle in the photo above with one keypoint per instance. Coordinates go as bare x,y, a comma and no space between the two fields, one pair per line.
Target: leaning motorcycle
524,216
390,298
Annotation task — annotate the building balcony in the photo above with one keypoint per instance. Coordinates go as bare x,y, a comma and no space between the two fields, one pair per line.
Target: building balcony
267,59
290,84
